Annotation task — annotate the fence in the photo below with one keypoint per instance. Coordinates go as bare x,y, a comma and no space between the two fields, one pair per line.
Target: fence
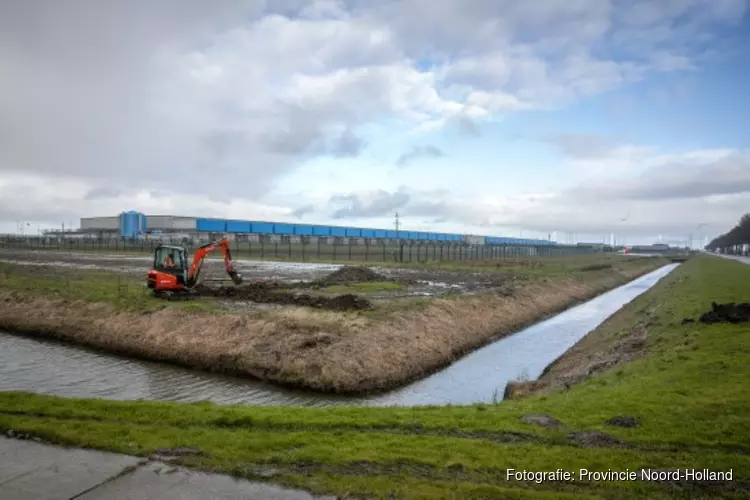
315,251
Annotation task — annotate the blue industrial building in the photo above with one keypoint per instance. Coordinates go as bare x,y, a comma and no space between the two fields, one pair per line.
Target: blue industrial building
290,229
134,225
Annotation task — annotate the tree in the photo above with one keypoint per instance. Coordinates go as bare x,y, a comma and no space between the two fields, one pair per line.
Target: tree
738,235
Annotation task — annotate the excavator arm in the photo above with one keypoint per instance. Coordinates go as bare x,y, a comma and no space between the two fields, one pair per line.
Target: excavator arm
202,252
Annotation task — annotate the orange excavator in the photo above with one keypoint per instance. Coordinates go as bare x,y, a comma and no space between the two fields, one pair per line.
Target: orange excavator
171,274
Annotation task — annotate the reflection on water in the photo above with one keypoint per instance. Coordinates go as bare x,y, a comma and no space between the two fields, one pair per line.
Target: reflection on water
53,368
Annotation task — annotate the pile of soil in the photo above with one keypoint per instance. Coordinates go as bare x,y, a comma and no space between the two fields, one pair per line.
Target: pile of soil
727,313
265,293
623,421
596,267
351,274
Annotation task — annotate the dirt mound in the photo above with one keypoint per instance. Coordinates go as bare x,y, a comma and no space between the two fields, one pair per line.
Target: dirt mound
727,313
596,267
351,274
517,389
623,421
265,293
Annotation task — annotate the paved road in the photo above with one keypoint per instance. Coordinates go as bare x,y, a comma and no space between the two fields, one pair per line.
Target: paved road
34,471
744,260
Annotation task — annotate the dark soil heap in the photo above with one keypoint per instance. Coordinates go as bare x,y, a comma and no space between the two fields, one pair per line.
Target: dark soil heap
727,313
264,293
351,274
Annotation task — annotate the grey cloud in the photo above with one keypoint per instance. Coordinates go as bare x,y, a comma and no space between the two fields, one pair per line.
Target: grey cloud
684,179
101,192
162,193
670,198
348,144
581,146
408,202
294,141
13,210
417,152
467,126
122,95
303,210
484,25
225,143
360,205
439,208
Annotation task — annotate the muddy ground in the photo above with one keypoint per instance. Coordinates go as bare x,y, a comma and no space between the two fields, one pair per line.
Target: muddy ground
276,284
415,281
263,293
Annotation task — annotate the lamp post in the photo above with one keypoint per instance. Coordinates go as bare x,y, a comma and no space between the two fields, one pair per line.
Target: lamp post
697,228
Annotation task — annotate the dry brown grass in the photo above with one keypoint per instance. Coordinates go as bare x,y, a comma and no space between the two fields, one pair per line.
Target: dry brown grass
318,350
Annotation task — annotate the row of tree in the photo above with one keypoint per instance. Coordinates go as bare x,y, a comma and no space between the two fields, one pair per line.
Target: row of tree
738,235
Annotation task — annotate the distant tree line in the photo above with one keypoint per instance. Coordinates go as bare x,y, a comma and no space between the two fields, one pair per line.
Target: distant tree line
738,235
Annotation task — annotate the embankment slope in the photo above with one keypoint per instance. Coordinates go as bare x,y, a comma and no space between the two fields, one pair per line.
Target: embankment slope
325,351
681,405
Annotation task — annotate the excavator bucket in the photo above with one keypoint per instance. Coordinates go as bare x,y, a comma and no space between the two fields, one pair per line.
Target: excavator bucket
236,277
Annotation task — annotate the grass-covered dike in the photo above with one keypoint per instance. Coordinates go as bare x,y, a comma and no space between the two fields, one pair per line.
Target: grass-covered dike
345,352
681,403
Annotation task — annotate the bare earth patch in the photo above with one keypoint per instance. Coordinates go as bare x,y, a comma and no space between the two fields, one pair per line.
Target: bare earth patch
727,313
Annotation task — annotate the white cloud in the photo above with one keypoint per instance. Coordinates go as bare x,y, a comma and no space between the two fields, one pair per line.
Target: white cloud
227,101
671,195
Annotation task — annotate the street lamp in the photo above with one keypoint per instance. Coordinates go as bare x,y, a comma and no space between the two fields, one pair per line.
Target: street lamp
698,227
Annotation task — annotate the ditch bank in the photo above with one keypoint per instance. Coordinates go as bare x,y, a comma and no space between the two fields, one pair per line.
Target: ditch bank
316,350
622,338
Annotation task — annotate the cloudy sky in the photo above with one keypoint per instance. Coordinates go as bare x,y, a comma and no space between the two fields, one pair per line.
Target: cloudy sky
574,117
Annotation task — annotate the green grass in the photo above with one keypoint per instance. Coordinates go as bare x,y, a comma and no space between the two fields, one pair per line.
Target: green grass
365,287
689,393
124,292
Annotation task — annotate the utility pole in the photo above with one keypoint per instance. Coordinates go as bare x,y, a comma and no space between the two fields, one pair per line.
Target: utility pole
397,225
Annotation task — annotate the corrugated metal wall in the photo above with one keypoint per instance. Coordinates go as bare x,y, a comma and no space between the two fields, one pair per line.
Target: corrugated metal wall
106,223
172,223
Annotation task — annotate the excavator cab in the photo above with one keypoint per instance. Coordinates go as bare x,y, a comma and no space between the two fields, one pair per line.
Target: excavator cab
170,268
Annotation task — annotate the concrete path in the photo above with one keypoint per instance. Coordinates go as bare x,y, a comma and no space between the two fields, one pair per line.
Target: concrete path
34,471
744,260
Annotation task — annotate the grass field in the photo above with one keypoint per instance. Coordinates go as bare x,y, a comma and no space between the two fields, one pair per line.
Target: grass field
688,392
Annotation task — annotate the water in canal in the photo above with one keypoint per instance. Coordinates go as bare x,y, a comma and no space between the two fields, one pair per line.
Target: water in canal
53,368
